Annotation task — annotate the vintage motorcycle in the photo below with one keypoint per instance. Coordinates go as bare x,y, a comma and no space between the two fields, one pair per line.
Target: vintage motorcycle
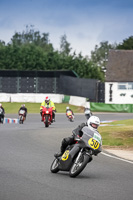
76,156
1,116
70,116
88,113
47,115
21,116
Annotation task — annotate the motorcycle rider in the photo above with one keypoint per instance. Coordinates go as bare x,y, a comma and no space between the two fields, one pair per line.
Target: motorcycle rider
45,103
87,112
2,113
23,108
92,123
69,110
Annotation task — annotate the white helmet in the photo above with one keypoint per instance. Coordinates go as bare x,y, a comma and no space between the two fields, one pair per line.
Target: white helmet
93,122
0,105
67,108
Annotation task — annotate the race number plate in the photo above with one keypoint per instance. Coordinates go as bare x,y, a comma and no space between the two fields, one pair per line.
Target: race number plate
65,155
93,143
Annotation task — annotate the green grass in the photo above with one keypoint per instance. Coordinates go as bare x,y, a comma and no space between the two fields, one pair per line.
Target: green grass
119,133
12,108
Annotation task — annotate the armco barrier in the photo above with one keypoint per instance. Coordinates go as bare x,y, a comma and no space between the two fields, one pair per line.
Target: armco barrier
102,107
11,121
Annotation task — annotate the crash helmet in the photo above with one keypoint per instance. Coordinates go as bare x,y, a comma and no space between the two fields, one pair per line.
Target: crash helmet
67,108
0,104
93,122
23,105
47,99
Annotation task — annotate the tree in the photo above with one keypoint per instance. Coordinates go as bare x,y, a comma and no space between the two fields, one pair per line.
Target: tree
30,36
127,44
100,54
65,46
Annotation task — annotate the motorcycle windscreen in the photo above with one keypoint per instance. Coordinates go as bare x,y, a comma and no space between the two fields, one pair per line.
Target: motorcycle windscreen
92,139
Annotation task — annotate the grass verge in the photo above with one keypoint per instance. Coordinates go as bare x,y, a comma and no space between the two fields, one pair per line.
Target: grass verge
12,108
118,134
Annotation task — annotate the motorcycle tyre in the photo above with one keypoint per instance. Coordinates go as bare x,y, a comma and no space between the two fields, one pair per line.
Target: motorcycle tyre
80,169
55,169
71,120
46,121
21,120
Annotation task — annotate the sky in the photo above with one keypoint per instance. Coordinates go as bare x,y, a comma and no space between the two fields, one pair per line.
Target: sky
85,23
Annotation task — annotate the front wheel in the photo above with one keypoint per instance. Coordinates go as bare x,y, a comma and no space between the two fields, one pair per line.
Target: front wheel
78,167
46,121
55,166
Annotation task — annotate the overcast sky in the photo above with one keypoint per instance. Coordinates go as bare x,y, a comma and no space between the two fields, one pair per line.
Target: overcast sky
86,23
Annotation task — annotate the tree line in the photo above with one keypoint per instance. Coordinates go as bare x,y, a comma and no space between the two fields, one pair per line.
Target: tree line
31,50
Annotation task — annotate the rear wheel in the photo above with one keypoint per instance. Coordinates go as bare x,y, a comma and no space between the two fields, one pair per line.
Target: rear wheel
78,167
20,119
55,166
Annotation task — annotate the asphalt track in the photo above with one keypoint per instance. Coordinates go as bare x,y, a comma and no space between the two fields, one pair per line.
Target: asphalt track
26,153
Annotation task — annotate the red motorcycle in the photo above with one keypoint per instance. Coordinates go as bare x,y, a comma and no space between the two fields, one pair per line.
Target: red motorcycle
47,116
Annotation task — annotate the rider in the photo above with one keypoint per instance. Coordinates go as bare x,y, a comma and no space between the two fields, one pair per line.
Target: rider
23,108
48,102
92,124
87,112
68,109
2,111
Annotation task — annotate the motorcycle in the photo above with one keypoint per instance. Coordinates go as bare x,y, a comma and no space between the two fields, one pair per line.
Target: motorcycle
88,113
70,116
47,116
21,116
1,116
76,156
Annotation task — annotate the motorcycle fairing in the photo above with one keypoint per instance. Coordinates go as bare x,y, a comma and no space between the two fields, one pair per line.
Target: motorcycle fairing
67,158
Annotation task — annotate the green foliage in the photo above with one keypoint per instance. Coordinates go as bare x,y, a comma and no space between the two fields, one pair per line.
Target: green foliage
100,54
127,44
31,50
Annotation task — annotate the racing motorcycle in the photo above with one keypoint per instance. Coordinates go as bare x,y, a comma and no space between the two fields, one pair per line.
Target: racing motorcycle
76,156
70,116
47,115
21,116
88,113
1,116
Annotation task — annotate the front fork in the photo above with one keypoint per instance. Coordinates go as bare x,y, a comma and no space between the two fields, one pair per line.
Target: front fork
87,152
76,161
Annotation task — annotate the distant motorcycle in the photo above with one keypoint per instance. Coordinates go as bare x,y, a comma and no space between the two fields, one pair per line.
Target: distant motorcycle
88,113
1,116
70,116
21,116
76,156
47,116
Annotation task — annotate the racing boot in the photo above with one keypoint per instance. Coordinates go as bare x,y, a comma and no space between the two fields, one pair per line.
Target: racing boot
59,154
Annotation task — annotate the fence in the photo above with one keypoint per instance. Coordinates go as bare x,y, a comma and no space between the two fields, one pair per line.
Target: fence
57,82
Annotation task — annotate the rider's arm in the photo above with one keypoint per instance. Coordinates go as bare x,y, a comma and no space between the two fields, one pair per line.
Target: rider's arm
52,105
3,110
78,130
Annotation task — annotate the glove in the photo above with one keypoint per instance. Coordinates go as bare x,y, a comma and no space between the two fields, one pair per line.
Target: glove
77,138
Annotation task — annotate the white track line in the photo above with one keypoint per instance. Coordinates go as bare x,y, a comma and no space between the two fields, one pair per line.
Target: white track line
131,162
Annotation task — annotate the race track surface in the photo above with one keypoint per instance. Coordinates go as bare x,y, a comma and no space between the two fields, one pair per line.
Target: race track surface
26,154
